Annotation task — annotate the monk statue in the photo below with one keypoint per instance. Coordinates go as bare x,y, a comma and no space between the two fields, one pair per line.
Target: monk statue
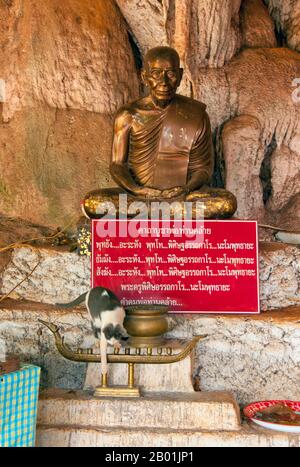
162,146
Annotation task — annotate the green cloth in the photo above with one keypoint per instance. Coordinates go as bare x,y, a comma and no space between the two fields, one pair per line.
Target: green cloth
19,393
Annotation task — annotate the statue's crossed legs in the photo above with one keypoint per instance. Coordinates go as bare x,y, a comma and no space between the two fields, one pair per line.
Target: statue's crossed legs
208,203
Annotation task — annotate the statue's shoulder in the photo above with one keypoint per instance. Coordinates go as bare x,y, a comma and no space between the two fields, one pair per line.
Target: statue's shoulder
187,104
127,111
123,117
123,111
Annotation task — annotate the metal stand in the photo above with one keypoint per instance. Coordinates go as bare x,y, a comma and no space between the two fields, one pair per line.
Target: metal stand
167,352
118,391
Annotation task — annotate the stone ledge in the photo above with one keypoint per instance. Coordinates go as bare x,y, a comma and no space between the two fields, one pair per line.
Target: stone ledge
75,436
198,411
256,357
62,276
283,315
289,314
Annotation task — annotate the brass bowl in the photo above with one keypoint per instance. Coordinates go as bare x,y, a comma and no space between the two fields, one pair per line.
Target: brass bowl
146,325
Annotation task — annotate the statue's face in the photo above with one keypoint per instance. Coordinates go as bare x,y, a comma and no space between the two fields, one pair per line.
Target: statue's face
163,76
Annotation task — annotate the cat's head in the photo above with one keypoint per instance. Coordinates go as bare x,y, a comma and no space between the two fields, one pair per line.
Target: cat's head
115,334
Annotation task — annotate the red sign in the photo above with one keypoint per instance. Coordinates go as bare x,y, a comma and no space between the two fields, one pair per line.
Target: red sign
193,267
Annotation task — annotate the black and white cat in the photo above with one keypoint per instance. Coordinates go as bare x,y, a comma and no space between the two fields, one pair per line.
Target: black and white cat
106,313
107,318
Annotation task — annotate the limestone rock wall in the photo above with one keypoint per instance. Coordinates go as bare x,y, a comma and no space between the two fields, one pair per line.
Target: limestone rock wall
62,87
286,14
205,32
60,55
263,125
257,25
68,66
57,276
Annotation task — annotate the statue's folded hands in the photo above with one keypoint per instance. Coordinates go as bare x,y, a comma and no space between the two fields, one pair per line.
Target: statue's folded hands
173,192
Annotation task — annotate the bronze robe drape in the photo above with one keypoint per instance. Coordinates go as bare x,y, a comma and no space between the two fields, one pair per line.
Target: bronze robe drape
172,146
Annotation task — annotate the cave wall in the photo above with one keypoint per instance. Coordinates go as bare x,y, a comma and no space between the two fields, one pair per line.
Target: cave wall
68,66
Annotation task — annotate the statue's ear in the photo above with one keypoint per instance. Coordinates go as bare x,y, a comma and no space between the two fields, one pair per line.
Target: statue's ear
180,75
144,77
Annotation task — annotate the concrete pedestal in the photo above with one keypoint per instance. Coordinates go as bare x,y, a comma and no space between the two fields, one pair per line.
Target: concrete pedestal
77,419
94,437
198,411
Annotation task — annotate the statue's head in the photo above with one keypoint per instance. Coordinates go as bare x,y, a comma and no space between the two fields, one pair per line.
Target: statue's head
162,73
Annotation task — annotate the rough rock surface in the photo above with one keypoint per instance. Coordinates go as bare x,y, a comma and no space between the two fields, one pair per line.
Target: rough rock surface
285,169
289,216
59,278
268,113
269,74
14,231
279,277
60,55
62,86
58,156
255,357
286,14
257,25
62,276
147,21
205,32
242,148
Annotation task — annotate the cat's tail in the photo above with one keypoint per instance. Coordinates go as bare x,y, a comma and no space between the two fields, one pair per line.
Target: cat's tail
75,302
